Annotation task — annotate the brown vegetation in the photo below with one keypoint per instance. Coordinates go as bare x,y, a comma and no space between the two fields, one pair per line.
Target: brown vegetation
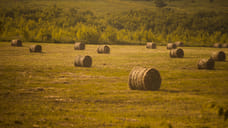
83,61
150,45
103,49
206,64
218,56
144,79
16,43
35,48
217,45
171,46
179,44
176,53
79,46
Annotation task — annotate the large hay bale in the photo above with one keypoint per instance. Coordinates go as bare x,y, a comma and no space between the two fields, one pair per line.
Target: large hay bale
16,43
206,64
217,45
179,44
171,46
225,45
83,61
144,79
176,53
35,48
103,49
150,45
218,56
79,46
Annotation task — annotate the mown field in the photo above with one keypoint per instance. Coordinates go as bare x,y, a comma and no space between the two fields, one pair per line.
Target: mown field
46,90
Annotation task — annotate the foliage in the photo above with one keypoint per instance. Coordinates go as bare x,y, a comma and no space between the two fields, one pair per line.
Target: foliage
58,24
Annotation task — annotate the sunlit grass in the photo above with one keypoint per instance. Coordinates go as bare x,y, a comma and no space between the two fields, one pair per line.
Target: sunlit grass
46,90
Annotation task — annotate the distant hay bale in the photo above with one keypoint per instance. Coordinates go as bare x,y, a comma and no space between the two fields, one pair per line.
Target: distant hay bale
225,45
206,64
218,56
103,49
144,79
35,48
217,45
83,61
179,44
79,46
16,43
171,46
176,53
150,45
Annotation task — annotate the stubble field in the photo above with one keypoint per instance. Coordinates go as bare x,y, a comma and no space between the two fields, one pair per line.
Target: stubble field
46,90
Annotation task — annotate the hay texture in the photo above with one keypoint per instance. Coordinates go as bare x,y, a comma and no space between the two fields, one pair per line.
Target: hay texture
179,44
35,48
206,64
103,49
176,53
150,45
217,45
16,43
79,46
225,45
218,56
171,46
83,61
144,79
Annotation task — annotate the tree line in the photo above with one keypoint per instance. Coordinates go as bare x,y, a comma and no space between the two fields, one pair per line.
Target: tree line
55,24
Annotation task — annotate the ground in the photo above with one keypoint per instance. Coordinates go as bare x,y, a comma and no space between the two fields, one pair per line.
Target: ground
46,90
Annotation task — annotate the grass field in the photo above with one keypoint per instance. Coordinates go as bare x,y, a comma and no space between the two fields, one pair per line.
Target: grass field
46,90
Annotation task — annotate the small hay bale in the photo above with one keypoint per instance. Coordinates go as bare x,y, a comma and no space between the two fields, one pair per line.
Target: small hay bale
150,45
206,64
103,49
218,56
79,46
176,53
35,48
217,45
171,46
224,45
179,44
144,79
83,61
16,43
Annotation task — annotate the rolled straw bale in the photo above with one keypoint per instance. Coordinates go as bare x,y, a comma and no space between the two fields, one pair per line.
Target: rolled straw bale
176,53
217,45
225,45
83,61
171,46
144,79
35,48
179,44
103,49
218,56
151,45
16,43
206,64
79,46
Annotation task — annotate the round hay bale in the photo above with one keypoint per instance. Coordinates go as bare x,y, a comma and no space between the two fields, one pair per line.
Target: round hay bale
179,44
218,56
83,61
103,49
150,45
206,64
225,45
16,43
144,79
171,46
217,45
79,46
35,48
176,53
